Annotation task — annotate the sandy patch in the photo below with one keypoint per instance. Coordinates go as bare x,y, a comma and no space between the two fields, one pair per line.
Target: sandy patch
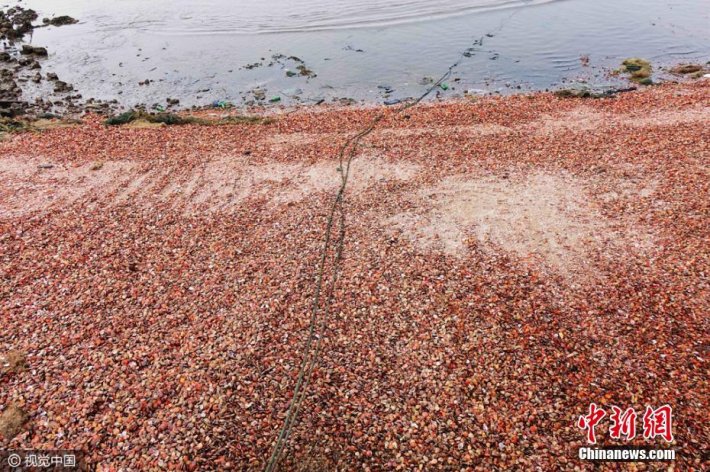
542,216
587,119
465,130
36,184
365,171
214,185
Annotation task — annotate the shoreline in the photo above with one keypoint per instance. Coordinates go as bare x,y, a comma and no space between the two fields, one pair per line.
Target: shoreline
507,262
25,87
266,111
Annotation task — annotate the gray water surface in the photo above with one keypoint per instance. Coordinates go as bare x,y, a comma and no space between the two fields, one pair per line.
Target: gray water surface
370,50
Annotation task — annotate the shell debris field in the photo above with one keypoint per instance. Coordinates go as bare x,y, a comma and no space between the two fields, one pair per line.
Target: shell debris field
504,267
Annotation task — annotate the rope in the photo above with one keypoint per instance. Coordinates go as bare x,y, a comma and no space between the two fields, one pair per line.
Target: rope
315,331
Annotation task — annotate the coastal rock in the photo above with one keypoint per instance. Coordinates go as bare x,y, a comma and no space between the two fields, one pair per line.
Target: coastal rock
15,22
586,92
33,50
60,20
61,87
259,94
9,89
29,63
683,69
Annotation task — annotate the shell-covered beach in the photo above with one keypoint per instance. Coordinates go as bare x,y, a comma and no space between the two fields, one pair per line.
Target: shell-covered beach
507,262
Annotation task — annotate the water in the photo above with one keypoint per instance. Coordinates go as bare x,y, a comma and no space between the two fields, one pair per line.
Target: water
370,50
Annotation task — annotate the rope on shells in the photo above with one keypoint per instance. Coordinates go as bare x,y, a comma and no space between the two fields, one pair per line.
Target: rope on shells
315,335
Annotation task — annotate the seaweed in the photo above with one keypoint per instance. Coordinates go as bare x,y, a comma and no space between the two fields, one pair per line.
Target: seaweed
640,70
123,118
172,119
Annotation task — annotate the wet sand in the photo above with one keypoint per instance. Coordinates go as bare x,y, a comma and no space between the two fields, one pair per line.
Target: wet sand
507,262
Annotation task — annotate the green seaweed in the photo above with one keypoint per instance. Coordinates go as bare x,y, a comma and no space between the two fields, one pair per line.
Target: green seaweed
640,70
9,125
122,119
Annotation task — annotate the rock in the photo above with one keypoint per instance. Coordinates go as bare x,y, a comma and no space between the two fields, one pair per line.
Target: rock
259,94
29,63
96,107
683,69
15,22
33,50
5,57
60,20
37,78
61,87
568,93
589,93
52,76
9,89
173,102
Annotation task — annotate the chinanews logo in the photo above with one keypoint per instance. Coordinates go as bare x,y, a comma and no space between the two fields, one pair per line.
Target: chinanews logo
655,423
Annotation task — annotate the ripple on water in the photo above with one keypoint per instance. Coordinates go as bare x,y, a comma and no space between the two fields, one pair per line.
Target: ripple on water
275,16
